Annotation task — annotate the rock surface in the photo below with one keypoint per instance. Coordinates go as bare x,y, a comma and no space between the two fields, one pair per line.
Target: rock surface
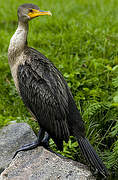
40,164
12,137
37,164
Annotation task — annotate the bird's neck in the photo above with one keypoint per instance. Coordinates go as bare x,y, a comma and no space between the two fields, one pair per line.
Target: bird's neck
18,42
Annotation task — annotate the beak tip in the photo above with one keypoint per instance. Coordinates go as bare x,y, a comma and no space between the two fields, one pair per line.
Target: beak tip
49,13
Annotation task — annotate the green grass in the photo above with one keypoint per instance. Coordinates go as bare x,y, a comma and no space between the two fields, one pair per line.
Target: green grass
81,39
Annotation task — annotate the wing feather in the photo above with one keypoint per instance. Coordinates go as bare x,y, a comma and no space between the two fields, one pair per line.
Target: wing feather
44,93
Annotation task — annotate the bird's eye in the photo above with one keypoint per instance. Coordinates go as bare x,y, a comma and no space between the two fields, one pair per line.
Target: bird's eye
30,10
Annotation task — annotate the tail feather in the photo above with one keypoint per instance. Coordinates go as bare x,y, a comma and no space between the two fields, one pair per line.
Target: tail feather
94,159
84,152
91,156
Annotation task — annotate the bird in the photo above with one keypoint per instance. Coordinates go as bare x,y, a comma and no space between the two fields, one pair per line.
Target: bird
45,92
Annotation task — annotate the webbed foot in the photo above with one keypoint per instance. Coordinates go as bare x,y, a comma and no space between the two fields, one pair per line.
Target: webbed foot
32,145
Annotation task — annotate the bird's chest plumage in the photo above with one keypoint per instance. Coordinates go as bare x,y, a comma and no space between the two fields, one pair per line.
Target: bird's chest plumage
20,60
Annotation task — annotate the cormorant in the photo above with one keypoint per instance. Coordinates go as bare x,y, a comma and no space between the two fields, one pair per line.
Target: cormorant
45,92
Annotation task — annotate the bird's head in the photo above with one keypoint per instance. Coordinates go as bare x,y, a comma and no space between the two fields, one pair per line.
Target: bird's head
29,11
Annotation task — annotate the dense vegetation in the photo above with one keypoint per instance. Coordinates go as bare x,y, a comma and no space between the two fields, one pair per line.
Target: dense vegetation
81,39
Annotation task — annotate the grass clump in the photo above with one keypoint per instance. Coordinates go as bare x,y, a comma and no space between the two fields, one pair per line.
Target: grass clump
81,40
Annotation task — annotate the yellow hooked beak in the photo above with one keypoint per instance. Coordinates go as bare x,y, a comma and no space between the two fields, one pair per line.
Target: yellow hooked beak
34,13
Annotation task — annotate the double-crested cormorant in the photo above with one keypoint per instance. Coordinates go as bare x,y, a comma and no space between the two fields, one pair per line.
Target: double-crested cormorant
45,92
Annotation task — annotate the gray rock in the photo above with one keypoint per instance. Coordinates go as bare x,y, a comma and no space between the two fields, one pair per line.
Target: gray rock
37,164
13,137
40,164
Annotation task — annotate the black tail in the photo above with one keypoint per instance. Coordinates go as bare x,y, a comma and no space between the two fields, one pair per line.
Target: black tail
91,156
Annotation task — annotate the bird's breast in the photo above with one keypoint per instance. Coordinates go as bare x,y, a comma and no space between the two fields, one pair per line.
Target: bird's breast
14,68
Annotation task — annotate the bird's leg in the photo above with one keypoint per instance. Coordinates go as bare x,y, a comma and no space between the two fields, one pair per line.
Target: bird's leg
45,141
33,144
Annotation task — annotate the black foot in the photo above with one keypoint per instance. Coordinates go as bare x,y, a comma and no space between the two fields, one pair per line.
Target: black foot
59,155
32,145
27,147
45,144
